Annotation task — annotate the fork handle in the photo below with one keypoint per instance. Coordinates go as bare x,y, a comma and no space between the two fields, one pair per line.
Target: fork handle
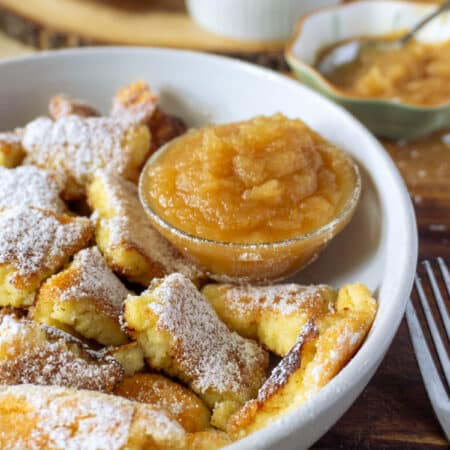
410,34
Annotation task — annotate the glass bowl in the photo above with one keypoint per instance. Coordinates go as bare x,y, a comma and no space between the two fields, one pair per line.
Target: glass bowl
238,262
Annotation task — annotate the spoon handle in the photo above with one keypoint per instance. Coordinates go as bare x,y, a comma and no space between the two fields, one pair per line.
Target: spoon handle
423,22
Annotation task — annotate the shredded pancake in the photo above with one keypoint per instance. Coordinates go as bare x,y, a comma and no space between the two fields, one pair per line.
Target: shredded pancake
11,150
63,105
74,147
323,348
84,299
33,245
273,315
161,392
131,246
57,418
130,356
38,354
136,103
182,335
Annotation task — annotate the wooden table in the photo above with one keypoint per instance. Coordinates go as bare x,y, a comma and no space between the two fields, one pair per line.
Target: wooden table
393,412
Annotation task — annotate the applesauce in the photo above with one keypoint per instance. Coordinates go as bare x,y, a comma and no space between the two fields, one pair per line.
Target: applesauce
417,73
267,179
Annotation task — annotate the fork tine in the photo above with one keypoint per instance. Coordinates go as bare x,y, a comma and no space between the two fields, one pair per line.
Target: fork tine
437,292
443,357
433,384
445,274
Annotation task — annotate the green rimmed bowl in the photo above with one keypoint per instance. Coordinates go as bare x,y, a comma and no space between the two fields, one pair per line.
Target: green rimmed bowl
384,117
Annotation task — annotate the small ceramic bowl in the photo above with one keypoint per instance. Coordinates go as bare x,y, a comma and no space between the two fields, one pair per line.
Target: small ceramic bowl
384,117
252,19
251,262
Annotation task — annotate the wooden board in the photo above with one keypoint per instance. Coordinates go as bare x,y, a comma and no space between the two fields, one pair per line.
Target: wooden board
11,47
60,23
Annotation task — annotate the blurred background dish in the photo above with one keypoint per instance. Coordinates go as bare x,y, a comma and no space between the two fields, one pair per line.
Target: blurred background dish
252,19
394,118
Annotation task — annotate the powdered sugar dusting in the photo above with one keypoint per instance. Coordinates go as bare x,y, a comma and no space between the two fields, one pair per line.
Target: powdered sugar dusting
29,186
33,240
33,353
76,146
73,420
207,352
94,280
283,298
163,429
67,419
130,225
134,103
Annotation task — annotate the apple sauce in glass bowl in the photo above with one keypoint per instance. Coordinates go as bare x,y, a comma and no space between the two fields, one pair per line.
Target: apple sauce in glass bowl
250,201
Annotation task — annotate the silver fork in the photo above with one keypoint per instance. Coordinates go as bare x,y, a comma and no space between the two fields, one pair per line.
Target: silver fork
430,374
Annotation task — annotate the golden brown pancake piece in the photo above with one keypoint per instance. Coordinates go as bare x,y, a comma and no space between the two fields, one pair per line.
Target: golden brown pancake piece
84,299
182,335
64,105
11,150
324,347
34,244
129,243
75,147
210,439
38,354
130,356
161,392
136,103
273,315
56,418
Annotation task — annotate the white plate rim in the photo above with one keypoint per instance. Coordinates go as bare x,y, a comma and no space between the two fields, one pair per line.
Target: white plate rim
402,247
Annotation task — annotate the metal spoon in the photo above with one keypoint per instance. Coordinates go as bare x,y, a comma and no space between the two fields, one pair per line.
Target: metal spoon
349,51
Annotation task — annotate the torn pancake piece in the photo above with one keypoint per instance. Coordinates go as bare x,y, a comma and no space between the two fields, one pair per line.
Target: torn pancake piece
85,299
182,336
272,315
11,150
210,439
34,244
75,147
136,103
323,348
57,418
130,356
38,354
129,243
157,390
63,105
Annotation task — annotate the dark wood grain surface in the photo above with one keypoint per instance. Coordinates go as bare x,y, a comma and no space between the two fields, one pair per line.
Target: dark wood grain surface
394,412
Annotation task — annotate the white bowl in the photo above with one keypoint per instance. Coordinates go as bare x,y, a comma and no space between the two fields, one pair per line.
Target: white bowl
379,247
252,19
